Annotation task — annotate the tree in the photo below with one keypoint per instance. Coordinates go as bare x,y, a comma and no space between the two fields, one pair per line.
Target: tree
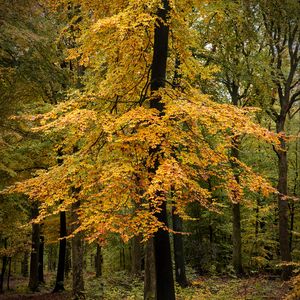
77,257
282,32
179,257
60,275
163,260
34,256
30,78
139,140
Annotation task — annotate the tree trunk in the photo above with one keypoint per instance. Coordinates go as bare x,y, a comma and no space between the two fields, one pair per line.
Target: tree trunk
122,257
136,250
292,207
3,269
24,265
150,272
68,265
59,283
180,274
236,224
98,261
41,260
34,257
8,273
236,214
163,262
77,257
292,214
283,208
52,253
236,239
164,273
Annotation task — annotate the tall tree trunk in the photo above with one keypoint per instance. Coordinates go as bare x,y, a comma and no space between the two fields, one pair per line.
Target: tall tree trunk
163,262
292,206
60,275
236,225
122,257
41,260
236,213
283,208
164,273
52,253
236,239
180,273
8,273
3,269
136,261
34,257
150,272
98,261
68,265
77,257
24,265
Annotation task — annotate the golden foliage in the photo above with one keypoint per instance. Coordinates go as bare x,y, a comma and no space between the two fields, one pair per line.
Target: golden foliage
112,128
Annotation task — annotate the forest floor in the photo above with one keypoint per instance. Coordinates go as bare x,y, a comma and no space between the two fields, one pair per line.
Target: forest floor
122,286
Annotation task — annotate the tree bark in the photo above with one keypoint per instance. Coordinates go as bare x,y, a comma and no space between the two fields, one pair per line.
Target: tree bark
150,272
8,274
180,274
77,257
292,206
236,239
283,208
41,260
34,257
236,213
163,261
3,269
24,265
60,275
68,265
98,261
164,273
52,253
136,262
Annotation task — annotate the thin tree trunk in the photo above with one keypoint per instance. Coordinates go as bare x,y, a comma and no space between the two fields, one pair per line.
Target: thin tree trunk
136,250
50,250
68,265
98,261
8,273
3,269
283,208
77,257
292,209
180,273
24,265
60,275
257,222
150,272
34,257
41,260
236,213
236,227
236,239
292,214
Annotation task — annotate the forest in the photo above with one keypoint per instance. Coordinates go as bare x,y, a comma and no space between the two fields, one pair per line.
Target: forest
150,149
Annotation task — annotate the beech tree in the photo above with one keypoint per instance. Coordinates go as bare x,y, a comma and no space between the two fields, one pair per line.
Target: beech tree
139,139
282,32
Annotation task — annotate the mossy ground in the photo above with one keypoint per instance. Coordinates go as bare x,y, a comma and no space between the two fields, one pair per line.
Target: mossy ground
120,285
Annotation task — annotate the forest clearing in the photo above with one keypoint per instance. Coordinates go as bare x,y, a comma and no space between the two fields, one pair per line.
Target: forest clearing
150,149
